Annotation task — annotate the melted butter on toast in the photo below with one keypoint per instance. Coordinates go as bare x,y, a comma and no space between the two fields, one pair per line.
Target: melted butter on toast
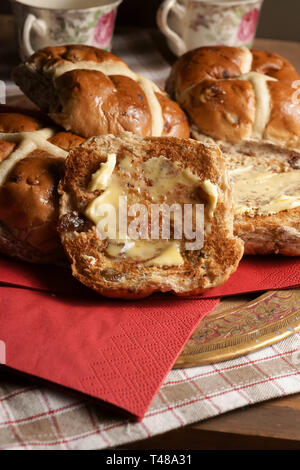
259,191
157,180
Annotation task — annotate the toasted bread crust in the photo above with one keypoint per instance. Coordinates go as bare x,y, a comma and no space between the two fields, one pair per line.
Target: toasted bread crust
202,269
275,233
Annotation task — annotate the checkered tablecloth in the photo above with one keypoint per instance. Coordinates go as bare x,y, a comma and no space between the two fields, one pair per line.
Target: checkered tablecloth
39,417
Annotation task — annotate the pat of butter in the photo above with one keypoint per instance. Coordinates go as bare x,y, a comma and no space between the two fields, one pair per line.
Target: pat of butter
212,192
166,176
120,247
114,250
101,178
144,251
282,203
261,192
137,250
169,257
190,176
110,196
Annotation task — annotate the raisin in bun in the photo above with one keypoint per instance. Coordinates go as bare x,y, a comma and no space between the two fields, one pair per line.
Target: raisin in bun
92,92
31,163
147,171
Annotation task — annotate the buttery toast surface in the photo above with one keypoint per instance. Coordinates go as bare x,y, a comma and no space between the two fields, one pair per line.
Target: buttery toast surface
266,193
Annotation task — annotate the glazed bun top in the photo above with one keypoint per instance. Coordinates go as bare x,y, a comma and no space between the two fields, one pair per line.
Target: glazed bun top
236,94
92,92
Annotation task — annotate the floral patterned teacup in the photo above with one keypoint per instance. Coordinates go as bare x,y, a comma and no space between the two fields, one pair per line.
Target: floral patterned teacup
42,23
188,24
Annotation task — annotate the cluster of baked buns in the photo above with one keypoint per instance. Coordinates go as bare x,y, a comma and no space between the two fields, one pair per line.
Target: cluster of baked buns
104,131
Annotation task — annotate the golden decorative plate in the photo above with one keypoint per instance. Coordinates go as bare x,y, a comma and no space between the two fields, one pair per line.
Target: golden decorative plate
239,326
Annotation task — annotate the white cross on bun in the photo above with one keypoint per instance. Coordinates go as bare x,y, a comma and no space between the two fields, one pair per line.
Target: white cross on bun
92,92
234,94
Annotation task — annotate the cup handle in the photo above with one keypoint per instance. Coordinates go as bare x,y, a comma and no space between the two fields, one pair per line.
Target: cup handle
162,22
39,26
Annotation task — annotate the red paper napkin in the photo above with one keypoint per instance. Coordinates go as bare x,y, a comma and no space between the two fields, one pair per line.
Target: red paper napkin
117,351
260,273
255,273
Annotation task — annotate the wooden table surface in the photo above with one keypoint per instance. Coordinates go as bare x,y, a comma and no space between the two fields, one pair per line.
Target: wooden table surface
270,425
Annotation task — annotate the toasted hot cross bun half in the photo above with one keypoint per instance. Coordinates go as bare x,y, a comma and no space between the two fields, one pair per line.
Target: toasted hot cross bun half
149,171
92,92
31,163
266,193
236,94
